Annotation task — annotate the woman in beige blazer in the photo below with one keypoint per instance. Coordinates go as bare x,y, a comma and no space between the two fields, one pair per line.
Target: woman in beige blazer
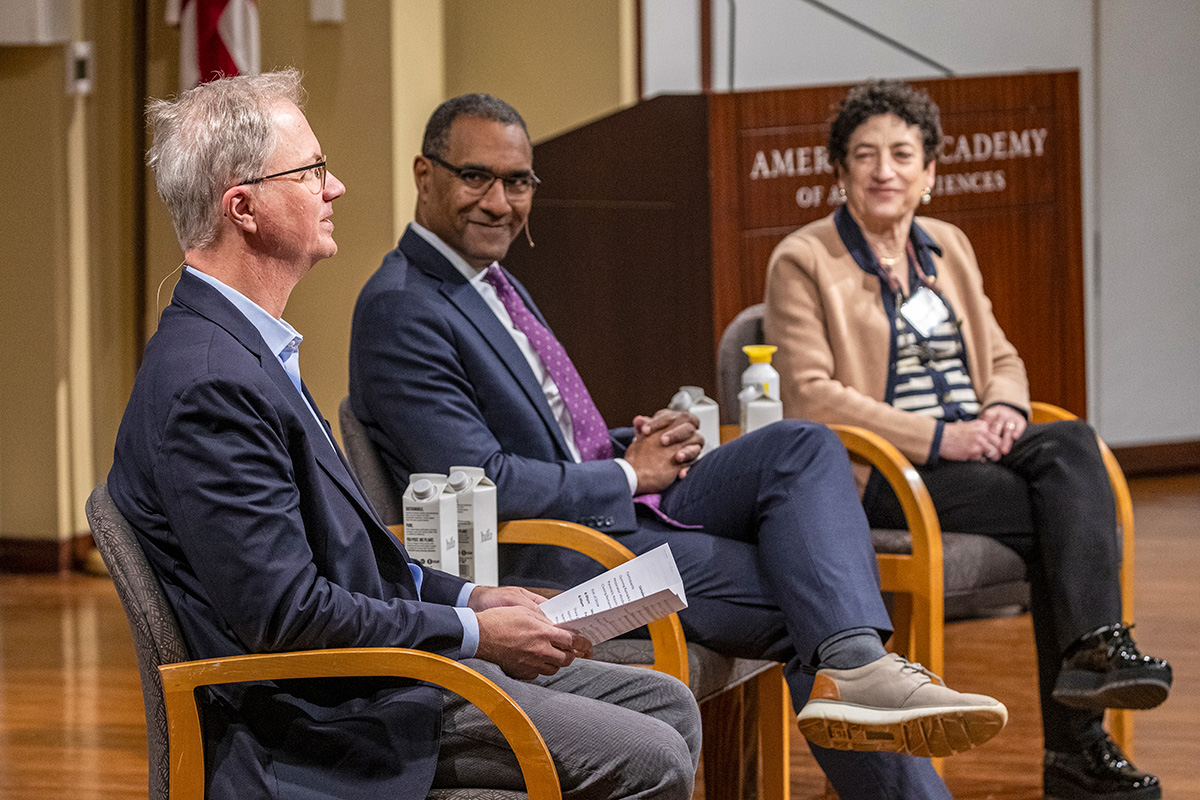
881,321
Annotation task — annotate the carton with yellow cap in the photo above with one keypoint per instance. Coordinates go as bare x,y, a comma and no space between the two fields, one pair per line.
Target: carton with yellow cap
758,401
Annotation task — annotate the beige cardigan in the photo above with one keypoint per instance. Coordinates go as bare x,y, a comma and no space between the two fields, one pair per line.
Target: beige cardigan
826,315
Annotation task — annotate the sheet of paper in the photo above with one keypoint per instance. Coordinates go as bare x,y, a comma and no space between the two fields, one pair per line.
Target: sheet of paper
624,598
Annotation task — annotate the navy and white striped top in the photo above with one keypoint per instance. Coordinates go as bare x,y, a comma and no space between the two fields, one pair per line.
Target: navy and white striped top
931,376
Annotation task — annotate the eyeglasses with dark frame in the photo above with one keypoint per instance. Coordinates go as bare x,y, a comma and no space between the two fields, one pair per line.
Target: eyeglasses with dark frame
316,170
480,181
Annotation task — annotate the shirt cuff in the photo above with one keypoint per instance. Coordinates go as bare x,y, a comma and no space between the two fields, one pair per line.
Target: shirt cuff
464,595
935,448
470,642
418,576
630,475
1020,411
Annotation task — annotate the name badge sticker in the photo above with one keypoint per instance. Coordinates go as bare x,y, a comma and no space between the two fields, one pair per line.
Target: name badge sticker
924,311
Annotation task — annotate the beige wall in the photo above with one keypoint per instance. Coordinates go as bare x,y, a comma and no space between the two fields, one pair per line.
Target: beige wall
418,85
560,64
67,301
33,241
113,154
347,73
373,81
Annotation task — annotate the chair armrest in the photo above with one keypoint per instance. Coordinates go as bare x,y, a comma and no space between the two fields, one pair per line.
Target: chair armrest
924,572
1047,412
183,721
666,634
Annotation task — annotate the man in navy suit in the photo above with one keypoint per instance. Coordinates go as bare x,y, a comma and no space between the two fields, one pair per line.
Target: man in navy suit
263,541
451,363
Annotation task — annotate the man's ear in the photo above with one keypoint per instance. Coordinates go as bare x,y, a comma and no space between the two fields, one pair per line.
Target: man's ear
237,206
422,173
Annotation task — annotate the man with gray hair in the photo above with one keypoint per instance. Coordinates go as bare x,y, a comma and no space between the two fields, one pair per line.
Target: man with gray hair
263,541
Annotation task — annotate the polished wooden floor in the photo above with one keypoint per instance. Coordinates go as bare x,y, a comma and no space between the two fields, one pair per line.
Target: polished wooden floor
71,722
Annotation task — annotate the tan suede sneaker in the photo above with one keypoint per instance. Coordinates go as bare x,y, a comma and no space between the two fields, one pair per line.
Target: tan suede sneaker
896,706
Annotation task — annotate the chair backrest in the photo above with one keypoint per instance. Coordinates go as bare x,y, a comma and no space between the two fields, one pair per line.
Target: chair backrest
156,636
746,328
368,465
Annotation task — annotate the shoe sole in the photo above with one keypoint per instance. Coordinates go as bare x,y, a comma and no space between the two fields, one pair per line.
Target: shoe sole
1134,693
1056,788
926,732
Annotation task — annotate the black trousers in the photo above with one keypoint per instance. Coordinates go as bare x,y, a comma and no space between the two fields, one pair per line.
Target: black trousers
1050,500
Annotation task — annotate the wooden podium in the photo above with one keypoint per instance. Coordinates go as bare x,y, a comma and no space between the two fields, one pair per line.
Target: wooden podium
653,226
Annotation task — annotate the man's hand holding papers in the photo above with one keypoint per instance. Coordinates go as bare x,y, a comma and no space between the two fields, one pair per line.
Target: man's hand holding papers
627,597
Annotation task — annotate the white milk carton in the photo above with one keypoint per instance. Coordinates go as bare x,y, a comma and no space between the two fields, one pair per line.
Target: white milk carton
693,399
757,409
431,522
476,497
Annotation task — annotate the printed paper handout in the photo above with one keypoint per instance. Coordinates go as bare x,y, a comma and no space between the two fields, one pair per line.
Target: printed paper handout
624,598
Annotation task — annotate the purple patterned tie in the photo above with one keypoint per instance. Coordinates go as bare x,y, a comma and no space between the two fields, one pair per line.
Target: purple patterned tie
590,432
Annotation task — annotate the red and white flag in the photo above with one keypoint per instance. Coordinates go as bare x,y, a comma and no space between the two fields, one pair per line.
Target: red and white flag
216,37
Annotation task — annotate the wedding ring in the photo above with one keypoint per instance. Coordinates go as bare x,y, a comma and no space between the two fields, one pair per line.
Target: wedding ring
1009,426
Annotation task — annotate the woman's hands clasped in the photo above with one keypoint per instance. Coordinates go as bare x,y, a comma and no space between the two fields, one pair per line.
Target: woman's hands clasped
988,438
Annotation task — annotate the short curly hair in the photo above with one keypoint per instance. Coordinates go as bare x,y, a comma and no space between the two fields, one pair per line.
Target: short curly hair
877,97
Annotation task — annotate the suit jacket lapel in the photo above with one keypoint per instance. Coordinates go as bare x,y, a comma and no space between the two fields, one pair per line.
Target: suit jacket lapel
347,470
467,300
208,302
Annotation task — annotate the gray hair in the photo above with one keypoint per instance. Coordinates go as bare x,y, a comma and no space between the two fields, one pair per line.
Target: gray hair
210,138
479,106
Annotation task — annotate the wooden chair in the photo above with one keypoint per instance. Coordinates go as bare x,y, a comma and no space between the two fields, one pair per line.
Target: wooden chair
170,678
736,695
935,576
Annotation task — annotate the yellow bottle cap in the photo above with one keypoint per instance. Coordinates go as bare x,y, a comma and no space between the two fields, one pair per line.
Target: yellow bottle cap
759,353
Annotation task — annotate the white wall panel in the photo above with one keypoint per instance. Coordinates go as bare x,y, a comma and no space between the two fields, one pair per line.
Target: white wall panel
1149,170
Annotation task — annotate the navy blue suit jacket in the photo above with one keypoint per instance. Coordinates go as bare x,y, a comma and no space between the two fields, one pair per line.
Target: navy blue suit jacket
263,542
437,381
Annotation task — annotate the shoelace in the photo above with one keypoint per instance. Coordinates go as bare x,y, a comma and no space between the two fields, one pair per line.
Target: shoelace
1122,642
916,668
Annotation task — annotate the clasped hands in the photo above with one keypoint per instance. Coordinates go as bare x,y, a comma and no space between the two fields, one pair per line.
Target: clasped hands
663,448
990,437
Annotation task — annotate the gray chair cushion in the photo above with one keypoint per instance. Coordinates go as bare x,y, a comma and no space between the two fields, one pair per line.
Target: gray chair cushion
156,636
368,465
746,328
983,579
709,672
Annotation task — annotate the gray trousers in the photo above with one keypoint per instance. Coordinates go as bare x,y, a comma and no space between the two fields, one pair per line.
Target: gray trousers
613,731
